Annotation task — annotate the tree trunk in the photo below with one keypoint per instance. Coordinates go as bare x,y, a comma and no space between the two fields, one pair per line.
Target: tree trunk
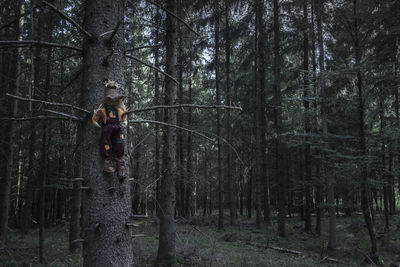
365,205
166,246
307,150
229,177
218,102
5,187
282,180
107,239
261,110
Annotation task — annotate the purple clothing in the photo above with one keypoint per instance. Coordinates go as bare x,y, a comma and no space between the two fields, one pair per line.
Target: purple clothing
112,140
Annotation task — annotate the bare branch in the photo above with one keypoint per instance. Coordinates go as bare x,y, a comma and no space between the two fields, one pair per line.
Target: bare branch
173,126
38,43
154,68
15,20
64,114
40,117
73,22
47,103
175,16
141,47
182,106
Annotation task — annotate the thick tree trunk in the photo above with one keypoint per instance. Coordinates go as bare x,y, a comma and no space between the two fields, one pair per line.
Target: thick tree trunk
166,246
107,239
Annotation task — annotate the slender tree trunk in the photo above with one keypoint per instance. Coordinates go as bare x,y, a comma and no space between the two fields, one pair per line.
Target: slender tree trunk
166,247
261,110
230,180
5,187
330,187
218,102
189,152
282,179
157,114
385,176
105,214
307,150
365,205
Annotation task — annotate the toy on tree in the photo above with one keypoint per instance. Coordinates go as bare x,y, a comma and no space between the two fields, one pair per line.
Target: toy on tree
111,119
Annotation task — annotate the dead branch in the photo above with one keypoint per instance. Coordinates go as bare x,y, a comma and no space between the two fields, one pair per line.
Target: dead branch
175,16
47,103
38,43
291,251
174,126
142,47
154,68
114,32
64,114
73,22
182,106
39,117
15,20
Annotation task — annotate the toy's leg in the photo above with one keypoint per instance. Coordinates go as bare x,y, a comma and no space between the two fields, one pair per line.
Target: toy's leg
106,148
118,142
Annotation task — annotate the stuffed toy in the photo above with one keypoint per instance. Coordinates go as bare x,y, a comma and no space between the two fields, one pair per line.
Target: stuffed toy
111,119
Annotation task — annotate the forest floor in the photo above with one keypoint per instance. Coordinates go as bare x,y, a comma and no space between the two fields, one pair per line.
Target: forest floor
199,244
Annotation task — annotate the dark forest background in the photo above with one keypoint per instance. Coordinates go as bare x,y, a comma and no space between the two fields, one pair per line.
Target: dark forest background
261,111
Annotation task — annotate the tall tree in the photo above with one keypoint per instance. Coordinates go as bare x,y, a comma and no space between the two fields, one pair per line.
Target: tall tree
166,246
306,103
365,203
10,147
218,102
107,239
330,188
230,181
281,177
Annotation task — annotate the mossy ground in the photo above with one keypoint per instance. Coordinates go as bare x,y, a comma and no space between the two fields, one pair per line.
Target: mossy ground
199,244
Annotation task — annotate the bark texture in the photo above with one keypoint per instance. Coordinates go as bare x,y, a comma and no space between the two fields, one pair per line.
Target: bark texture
105,213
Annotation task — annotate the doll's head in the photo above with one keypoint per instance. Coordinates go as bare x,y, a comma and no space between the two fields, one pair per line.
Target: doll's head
112,96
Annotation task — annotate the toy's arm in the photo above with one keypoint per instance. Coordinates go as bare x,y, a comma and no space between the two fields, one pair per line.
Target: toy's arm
97,115
123,117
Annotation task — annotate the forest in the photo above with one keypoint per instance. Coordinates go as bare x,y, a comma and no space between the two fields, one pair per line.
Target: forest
229,133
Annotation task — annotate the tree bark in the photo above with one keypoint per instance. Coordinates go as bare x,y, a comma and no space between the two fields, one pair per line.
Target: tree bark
107,239
166,246
11,144
229,177
307,150
218,102
282,179
365,205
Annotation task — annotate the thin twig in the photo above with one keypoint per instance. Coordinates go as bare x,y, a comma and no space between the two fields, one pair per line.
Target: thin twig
175,16
172,125
182,106
47,103
154,68
64,114
142,47
73,22
38,43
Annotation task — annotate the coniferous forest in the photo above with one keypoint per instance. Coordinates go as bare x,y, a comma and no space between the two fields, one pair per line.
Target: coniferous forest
199,133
